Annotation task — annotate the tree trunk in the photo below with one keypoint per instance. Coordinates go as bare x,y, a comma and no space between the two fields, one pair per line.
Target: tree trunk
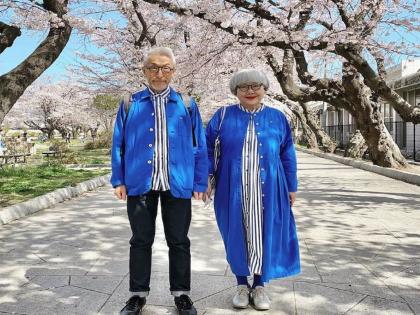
8,34
327,144
14,83
383,150
356,147
308,136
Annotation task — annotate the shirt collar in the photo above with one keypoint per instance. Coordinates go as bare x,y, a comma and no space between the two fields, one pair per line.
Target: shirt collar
147,93
163,94
253,111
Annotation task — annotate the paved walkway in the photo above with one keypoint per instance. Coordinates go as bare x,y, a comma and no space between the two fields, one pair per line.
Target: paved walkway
360,246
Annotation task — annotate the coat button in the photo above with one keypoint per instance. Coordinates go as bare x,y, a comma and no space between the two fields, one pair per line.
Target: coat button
151,129
150,145
149,162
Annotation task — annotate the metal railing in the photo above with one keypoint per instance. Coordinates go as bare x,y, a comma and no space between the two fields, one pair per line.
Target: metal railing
406,136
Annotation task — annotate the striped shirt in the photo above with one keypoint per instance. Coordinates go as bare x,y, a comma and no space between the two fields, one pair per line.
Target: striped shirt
252,205
160,178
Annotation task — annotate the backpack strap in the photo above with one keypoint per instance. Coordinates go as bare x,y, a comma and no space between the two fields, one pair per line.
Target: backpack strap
186,99
187,102
127,99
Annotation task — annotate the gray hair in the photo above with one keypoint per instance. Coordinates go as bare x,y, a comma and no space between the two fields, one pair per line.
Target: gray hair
248,76
161,51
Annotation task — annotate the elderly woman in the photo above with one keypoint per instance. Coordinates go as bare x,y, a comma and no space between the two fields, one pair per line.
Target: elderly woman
256,183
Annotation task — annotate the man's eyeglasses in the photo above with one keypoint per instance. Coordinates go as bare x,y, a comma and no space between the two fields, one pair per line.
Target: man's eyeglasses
245,87
164,69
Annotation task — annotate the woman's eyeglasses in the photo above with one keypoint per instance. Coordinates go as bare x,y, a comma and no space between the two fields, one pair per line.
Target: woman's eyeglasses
245,87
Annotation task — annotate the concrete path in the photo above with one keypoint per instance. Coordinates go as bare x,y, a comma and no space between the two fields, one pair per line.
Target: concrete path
360,247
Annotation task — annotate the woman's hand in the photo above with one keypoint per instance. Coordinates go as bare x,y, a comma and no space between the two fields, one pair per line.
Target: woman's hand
292,198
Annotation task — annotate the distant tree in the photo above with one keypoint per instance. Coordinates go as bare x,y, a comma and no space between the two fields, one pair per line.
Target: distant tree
106,106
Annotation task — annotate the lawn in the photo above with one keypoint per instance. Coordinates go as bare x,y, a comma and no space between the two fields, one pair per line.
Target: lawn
19,184
78,151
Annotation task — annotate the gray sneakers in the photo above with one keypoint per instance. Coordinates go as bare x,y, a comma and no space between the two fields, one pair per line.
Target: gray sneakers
260,299
241,298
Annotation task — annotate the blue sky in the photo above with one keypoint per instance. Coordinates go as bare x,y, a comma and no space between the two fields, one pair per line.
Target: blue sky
25,44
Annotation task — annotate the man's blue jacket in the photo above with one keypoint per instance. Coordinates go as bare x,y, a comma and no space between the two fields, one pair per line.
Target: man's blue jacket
187,161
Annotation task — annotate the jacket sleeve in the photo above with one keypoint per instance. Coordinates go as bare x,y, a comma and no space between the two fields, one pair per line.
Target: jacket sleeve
211,135
288,157
200,169
117,161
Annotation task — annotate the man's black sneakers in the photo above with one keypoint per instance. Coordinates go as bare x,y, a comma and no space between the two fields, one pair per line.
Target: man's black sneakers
185,305
133,305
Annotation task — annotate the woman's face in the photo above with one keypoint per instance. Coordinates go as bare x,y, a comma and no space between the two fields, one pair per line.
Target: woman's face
250,94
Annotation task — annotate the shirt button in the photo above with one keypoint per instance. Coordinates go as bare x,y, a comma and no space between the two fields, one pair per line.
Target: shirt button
150,145
153,114
258,133
260,144
151,129
256,124
261,157
262,169
149,162
262,183
263,195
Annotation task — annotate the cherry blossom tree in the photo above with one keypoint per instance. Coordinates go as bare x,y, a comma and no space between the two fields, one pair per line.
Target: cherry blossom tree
299,28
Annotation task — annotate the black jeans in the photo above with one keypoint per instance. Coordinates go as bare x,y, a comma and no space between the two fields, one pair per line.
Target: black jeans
176,217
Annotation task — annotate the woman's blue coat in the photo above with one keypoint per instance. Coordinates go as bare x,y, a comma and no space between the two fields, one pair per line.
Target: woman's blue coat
278,178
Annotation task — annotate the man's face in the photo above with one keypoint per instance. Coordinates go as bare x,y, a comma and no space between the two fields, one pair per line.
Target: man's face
159,71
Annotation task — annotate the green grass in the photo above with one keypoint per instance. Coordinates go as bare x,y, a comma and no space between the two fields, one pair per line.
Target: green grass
18,184
82,156
95,156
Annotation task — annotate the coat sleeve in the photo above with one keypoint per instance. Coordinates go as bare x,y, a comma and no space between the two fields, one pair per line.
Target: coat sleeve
211,135
288,157
200,155
117,161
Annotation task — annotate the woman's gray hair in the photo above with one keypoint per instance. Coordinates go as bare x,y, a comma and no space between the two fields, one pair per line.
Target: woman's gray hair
248,76
161,51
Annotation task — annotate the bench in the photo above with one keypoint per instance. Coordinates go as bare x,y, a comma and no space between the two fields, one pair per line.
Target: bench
13,159
50,153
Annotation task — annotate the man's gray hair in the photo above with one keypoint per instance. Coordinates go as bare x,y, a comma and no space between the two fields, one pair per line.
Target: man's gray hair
161,51
248,76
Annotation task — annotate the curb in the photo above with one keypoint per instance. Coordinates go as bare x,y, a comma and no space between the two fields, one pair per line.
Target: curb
33,205
388,172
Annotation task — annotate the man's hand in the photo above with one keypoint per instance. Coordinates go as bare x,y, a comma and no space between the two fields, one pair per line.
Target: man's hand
207,194
292,197
198,195
121,192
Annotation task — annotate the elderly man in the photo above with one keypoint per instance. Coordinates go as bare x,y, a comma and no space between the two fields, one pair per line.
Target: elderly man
159,152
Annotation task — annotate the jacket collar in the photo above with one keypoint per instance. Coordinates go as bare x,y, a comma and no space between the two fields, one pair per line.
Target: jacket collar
145,93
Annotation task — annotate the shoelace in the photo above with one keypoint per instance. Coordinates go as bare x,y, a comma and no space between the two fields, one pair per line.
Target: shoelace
243,291
260,293
132,303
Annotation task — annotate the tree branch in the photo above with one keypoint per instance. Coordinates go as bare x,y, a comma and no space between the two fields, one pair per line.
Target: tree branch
15,82
8,34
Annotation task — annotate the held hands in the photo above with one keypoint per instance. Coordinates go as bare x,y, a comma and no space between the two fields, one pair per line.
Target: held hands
121,192
292,198
207,195
198,195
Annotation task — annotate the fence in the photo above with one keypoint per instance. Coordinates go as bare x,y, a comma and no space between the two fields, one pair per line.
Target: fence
406,136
